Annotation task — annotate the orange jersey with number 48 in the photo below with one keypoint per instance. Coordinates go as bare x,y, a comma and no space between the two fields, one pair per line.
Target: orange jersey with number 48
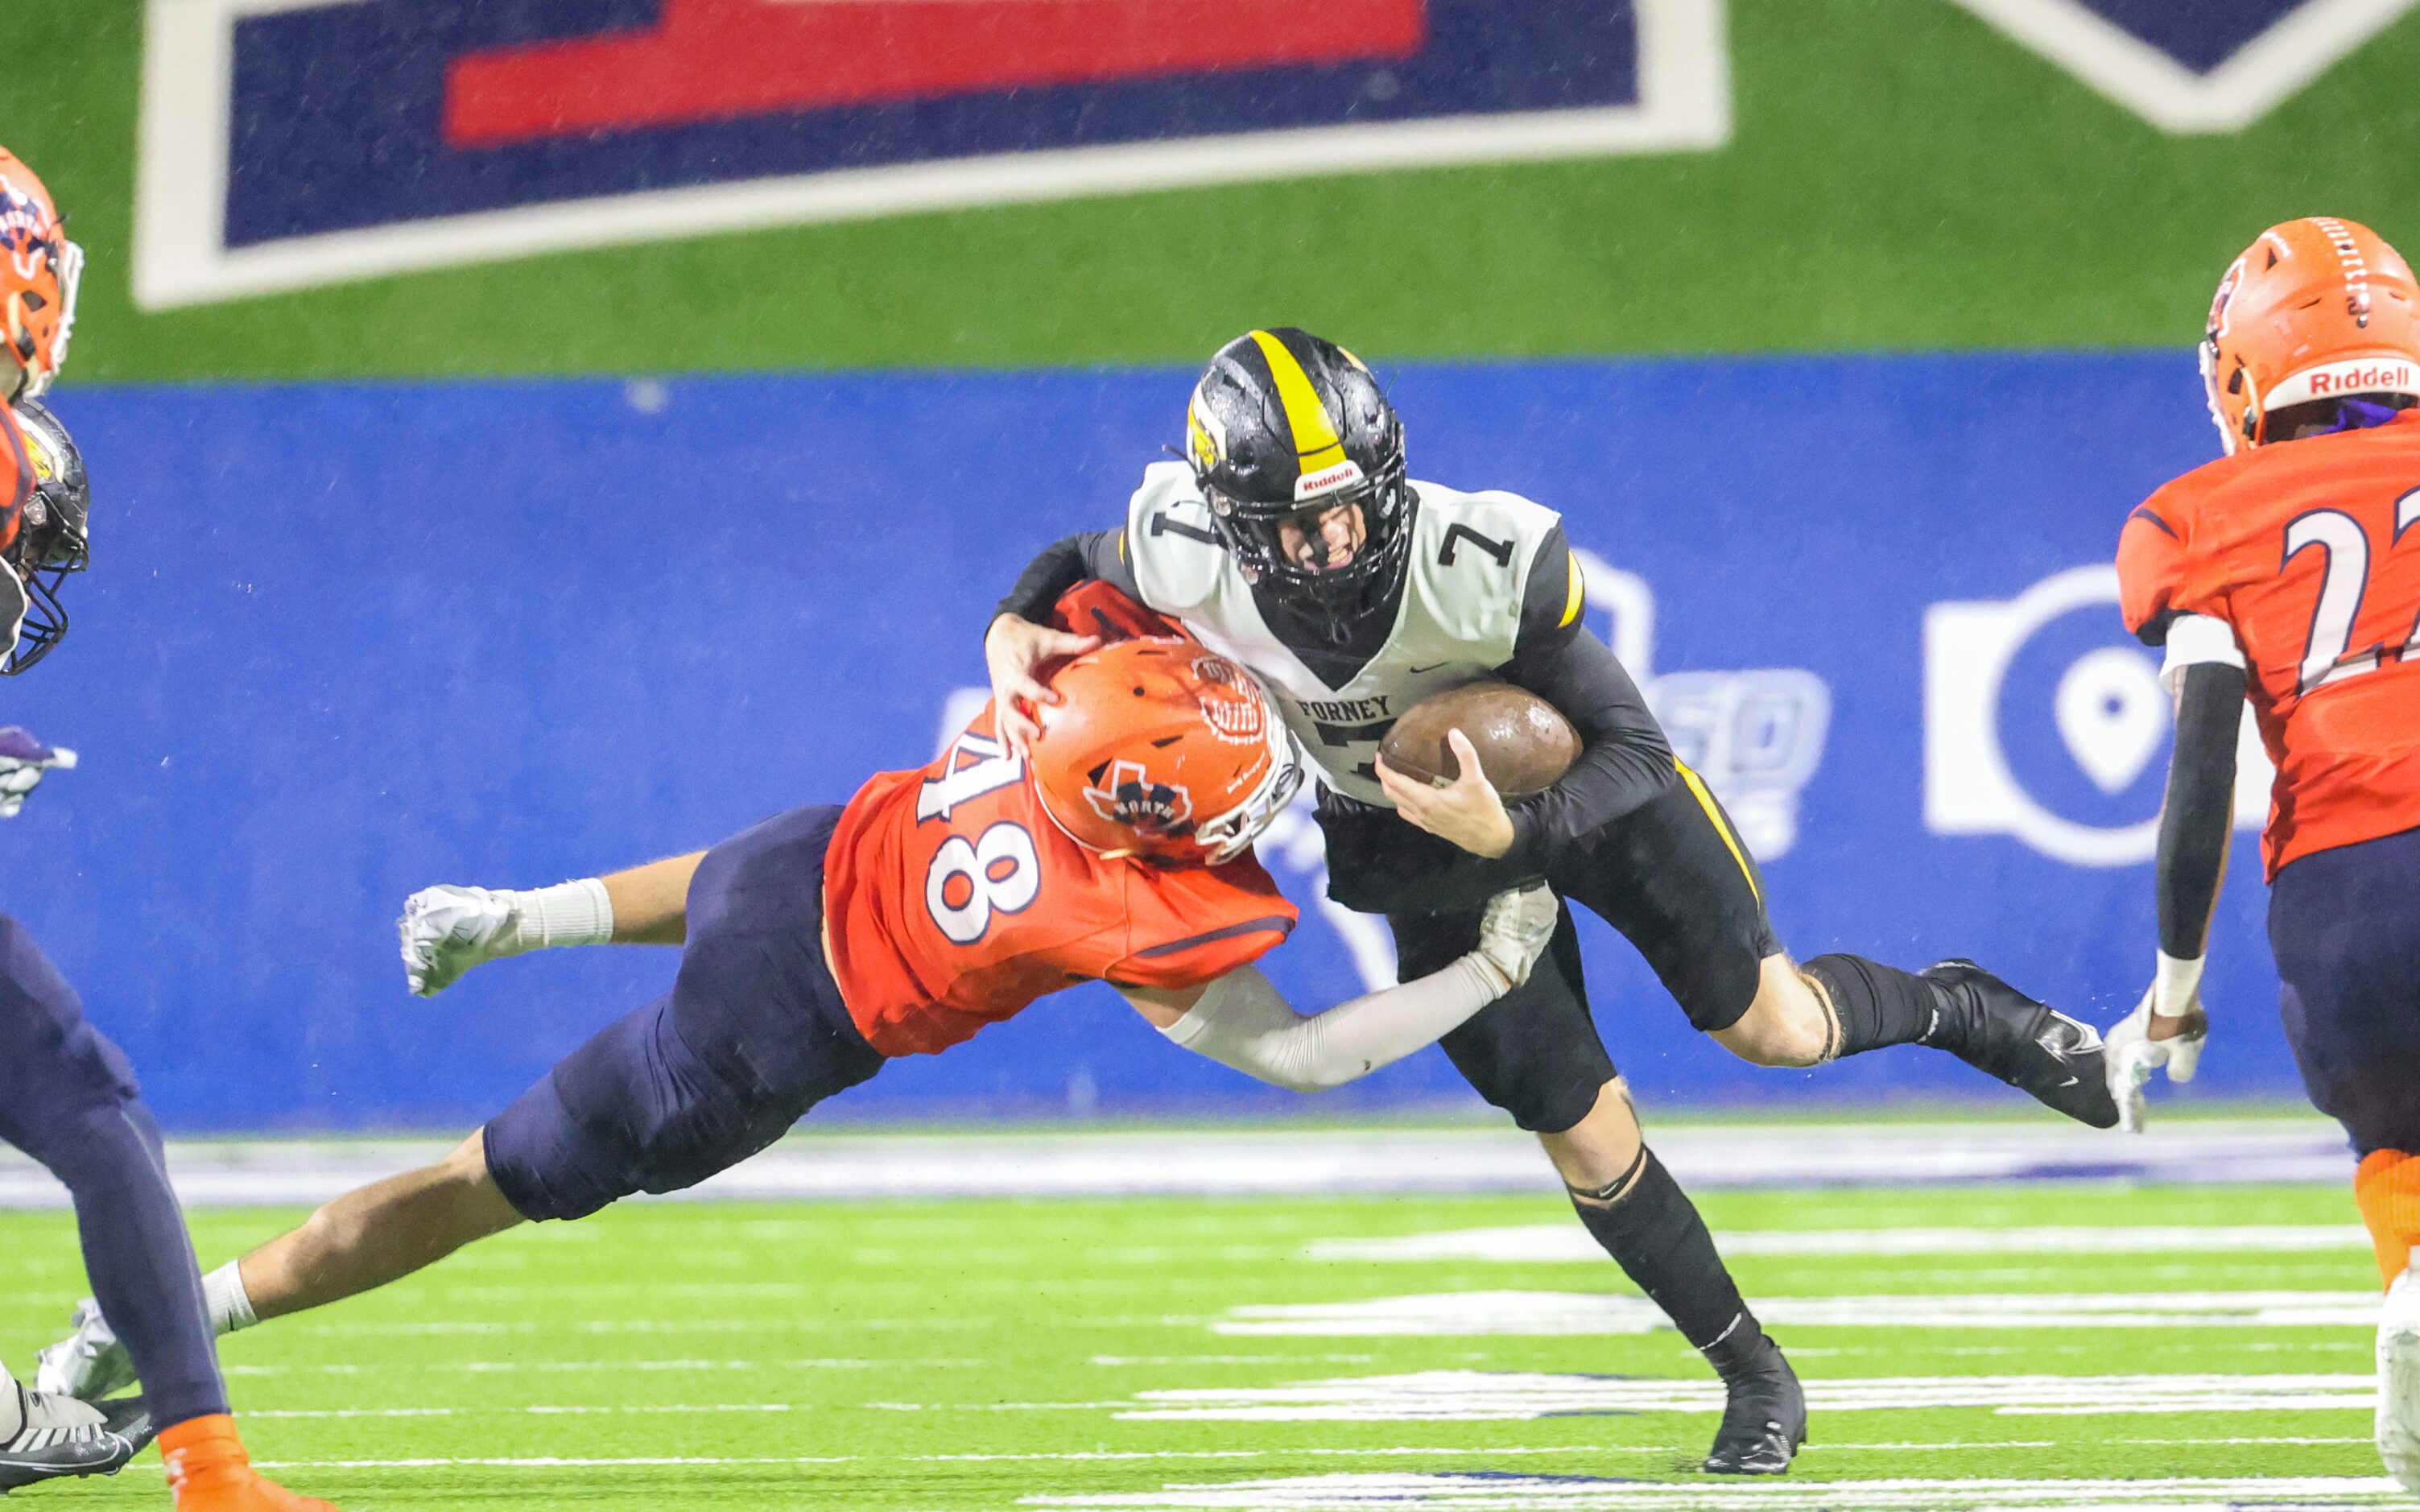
953,900
2307,549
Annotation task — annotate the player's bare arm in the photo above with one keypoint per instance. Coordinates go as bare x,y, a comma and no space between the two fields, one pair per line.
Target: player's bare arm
447,929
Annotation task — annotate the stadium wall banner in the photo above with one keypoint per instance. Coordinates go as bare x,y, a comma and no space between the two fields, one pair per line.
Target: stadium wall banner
291,143
342,642
508,130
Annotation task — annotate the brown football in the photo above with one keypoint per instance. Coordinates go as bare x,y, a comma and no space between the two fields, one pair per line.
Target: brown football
1524,742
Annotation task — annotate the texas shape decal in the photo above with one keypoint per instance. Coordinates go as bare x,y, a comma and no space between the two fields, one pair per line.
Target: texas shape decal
288,143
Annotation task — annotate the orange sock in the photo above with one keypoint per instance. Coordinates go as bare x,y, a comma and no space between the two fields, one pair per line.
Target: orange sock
2387,1186
203,1452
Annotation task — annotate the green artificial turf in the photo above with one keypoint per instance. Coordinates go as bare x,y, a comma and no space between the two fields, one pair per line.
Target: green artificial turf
972,1355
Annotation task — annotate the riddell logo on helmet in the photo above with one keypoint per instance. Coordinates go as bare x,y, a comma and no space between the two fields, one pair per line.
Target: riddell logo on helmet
2356,375
2361,379
1327,480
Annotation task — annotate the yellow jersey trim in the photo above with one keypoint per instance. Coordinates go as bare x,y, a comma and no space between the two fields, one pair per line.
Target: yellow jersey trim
1715,812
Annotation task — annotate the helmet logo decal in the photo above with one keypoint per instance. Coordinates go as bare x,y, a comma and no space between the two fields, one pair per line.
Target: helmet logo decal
25,232
1131,798
2356,267
1205,438
1231,701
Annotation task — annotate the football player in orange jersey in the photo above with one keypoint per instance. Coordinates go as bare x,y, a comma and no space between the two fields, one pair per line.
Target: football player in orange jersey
66,1094
2288,571
827,941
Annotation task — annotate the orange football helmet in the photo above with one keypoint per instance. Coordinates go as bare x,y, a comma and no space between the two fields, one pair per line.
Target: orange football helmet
1161,749
2314,310
40,269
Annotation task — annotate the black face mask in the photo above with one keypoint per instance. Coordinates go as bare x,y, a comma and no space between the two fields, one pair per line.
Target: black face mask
13,606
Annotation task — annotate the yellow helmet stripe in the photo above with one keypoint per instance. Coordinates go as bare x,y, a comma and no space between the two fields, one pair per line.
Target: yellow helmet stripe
1314,436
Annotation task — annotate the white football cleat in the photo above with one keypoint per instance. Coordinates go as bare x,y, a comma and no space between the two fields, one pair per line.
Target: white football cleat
2398,1378
89,1364
446,930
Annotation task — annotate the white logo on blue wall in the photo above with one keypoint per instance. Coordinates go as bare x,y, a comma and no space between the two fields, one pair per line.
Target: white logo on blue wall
2044,720
1755,736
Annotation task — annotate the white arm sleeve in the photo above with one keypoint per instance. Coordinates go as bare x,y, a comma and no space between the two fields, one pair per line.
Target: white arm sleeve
2198,638
1240,1020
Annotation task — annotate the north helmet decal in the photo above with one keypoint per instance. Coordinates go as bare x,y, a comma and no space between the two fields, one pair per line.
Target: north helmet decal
1130,796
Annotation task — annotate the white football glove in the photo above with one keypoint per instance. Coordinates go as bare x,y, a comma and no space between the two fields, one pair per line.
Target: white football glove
446,930
2134,1055
1514,932
24,762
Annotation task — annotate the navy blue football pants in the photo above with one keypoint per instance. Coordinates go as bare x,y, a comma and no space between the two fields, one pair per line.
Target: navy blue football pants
2345,925
67,1099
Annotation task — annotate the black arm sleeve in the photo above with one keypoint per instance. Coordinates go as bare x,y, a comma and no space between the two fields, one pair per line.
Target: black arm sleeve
2198,817
1090,554
1624,759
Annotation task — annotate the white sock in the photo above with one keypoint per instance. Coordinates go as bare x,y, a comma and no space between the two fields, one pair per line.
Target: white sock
569,914
12,1408
230,1305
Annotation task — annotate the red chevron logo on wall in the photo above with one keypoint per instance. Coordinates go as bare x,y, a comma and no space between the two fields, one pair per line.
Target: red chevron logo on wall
720,59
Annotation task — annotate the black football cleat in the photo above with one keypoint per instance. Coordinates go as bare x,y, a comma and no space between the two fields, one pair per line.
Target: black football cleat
1764,1421
129,1418
59,1439
2031,1046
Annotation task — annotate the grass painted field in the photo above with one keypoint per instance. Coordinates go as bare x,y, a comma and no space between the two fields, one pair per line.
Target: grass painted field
2051,1346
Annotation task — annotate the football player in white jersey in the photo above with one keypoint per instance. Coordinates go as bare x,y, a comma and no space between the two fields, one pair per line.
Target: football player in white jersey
1291,538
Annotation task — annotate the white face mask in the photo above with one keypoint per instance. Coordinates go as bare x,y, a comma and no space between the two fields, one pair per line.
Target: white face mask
13,604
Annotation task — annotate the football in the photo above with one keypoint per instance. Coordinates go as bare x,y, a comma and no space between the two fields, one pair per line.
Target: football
1524,742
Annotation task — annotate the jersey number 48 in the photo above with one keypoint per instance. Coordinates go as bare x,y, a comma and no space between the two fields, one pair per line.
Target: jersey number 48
996,871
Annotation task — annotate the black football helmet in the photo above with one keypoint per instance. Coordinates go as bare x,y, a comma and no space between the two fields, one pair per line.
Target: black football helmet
51,540
1284,427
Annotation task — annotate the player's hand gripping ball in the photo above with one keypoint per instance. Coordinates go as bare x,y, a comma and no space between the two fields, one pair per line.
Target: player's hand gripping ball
1453,758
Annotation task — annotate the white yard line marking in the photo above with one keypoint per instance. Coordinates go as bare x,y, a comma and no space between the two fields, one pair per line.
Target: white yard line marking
1231,1359
506,1411
1442,1314
1542,1493
1194,1162
1559,1243
1479,1397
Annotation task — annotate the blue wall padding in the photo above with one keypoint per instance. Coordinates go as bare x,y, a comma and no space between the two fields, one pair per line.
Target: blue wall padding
339,643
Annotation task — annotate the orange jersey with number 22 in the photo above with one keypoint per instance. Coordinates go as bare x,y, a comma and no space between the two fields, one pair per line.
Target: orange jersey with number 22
2307,549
